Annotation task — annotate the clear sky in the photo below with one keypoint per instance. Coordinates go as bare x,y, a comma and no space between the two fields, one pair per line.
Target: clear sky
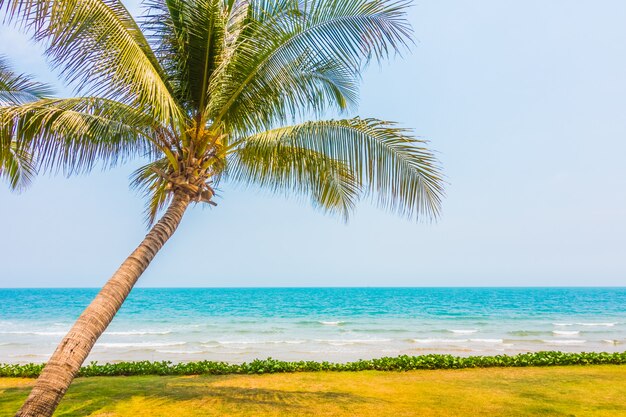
525,103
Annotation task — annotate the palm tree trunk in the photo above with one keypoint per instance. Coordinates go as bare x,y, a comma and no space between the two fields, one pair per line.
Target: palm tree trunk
66,361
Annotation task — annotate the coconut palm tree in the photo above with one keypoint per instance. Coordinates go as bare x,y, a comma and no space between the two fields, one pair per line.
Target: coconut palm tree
209,91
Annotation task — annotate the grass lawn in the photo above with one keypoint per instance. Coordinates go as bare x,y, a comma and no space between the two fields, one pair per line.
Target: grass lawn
557,391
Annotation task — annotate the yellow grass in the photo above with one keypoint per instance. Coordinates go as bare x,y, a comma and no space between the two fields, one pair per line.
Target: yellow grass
558,391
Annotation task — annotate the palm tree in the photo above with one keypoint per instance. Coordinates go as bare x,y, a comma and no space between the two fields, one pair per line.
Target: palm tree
209,91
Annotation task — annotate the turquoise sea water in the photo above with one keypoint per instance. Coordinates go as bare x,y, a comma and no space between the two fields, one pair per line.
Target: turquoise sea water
337,324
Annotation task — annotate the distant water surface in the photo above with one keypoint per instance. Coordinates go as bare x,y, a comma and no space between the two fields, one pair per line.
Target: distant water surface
337,324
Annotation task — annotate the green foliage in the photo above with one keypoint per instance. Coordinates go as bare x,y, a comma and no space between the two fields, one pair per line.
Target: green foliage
16,163
272,366
385,160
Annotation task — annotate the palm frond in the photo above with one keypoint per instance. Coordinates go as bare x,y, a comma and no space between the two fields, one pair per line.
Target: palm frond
16,165
100,49
391,164
19,88
149,180
238,13
346,32
74,134
188,37
303,87
269,163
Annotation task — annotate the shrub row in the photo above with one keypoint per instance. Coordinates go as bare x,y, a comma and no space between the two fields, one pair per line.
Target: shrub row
267,366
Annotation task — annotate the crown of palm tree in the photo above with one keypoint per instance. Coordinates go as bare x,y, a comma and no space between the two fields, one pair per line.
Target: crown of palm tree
209,90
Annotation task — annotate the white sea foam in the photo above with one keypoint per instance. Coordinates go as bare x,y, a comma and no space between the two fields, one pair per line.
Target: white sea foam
433,340
563,324
597,324
331,323
260,342
344,342
36,333
138,333
611,341
464,331
140,345
457,341
566,332
497,341
565,342
184,352
240,342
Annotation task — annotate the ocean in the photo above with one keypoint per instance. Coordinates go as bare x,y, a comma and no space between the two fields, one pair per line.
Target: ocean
334,324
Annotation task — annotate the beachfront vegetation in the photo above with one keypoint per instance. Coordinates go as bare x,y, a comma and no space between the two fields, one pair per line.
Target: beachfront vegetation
272,366
207,91
592,391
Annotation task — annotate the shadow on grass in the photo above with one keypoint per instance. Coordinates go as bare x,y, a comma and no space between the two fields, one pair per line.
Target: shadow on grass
91,395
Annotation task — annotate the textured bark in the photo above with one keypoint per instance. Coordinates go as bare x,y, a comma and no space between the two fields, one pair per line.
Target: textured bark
66,361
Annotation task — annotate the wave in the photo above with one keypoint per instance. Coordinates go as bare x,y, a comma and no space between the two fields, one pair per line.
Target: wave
589,324
565,342
331,323
345,342
34,333
527,332
457,341
257,342
178,352
497,341
523,341
612,341
463,331
433,340
138,333
115,345
380,330
566,332
31,355
254,331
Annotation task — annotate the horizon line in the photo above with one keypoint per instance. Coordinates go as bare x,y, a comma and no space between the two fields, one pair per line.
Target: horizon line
333,287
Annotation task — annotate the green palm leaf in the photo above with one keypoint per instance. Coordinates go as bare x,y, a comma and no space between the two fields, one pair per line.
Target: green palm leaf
19,88
389,162
99,47
188,37
16,164
74,134
282,168
346,32
149,180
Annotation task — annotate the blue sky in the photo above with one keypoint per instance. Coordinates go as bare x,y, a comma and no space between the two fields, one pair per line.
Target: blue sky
524,103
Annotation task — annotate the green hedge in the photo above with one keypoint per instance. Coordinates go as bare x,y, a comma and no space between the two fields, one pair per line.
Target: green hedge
268,366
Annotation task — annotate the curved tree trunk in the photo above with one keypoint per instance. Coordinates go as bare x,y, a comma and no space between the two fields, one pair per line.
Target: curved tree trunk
66,361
